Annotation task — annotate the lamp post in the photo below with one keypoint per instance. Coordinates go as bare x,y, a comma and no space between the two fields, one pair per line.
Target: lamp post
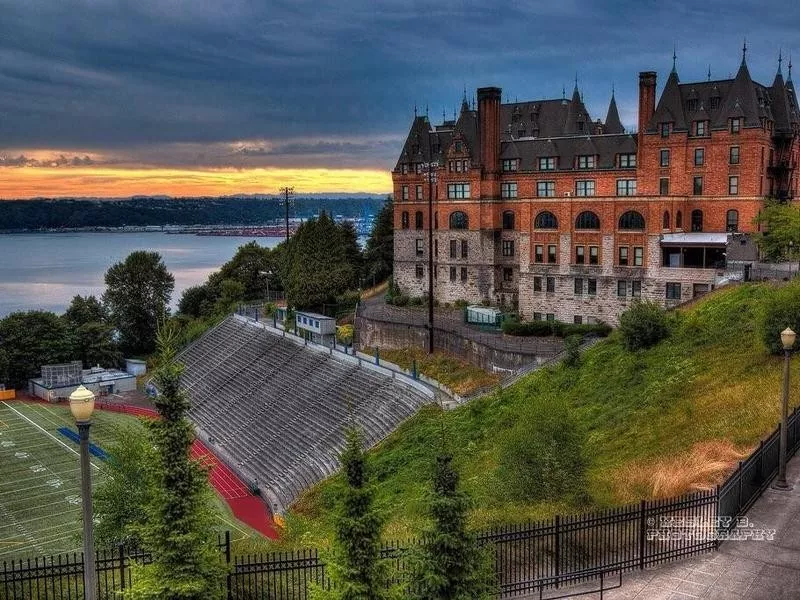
787,340
81,404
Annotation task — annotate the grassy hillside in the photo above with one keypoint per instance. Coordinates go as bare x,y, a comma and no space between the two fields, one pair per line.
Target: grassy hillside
618,427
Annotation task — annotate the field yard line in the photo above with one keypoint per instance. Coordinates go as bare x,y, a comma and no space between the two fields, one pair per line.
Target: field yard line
47,433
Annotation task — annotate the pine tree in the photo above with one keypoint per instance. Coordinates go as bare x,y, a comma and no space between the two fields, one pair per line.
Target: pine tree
356,568
450,564
179,532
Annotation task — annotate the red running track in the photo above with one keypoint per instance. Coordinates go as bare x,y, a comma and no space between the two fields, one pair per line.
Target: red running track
246,507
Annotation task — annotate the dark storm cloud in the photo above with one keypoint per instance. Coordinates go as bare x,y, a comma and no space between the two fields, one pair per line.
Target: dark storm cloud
176,81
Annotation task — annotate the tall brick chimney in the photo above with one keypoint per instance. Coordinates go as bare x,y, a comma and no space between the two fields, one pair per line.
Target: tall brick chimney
489,128
647,100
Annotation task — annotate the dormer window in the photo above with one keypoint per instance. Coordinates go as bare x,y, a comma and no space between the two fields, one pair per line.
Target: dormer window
580,125
701,128
547,163
586,161
459,146
510,164
714,103
404,168
736,125
691,105
664,130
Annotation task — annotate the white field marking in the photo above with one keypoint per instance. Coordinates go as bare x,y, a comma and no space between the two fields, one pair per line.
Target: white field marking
68,508
32,478
48,434
39,497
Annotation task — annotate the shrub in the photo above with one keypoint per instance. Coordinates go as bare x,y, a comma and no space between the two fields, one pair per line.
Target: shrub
781,310
543,458
572,346
643,325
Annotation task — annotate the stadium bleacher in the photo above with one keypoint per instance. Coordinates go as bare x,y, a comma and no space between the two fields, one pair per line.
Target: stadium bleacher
276,410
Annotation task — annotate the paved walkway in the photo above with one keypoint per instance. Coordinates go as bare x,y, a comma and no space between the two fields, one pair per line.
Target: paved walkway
746,570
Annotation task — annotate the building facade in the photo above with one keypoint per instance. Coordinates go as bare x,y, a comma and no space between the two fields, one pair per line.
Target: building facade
538,207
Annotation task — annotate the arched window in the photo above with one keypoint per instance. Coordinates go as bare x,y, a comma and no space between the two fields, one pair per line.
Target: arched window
697,220
732,220
587,220
508,219
665,224
459,220
404,220
418,219
545,220
631,220
679,220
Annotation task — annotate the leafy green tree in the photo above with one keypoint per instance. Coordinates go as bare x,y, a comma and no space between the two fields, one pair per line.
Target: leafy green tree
572,348
356,568
643,325
781,309
32,339
231,292
255,267
83,310
179,523
197,301
4,365
315,265
94,344
450,564
379,252
137,298
780,239
122,499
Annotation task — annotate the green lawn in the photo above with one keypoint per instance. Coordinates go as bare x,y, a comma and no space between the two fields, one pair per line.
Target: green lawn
661,421
40,499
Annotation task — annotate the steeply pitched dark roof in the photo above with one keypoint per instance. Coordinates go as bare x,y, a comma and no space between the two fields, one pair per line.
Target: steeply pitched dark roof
566,149
613,124
670,106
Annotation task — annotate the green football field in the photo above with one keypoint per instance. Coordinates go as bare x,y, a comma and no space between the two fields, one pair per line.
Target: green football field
40,499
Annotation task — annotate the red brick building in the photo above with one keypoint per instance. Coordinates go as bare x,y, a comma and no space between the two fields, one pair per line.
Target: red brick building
538,206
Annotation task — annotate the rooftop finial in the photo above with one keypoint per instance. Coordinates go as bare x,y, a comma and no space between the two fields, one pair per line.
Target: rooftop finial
612,89
576,80
790,67
709,72
674,59
415,111
426,110
563,92
444,115
744,51
780,60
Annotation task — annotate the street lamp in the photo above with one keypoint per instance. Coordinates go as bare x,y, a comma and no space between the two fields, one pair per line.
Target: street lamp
788,338
81,404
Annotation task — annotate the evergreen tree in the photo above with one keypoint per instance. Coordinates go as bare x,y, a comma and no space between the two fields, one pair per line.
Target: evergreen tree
356,569
137,297
379,253
179,529
450,564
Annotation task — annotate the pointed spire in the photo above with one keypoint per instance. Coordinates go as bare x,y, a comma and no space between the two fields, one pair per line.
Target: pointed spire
744,52
674,60
576,83
613,123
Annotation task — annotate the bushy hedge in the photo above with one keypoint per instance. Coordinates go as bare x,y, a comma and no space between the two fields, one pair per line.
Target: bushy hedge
557,328
643,325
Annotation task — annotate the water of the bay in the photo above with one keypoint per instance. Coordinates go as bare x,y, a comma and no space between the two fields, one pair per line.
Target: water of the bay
44,271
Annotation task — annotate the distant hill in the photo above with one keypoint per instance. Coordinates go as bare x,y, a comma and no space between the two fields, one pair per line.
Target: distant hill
42,213
619,427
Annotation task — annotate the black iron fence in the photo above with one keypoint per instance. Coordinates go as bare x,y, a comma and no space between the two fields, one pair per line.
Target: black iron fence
527,558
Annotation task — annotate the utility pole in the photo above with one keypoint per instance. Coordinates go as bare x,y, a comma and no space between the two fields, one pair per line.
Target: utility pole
431,174
287,192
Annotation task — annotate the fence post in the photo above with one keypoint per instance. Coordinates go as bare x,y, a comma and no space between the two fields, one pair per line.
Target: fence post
642,531
122,565
557,571
717,525
228,578
739,505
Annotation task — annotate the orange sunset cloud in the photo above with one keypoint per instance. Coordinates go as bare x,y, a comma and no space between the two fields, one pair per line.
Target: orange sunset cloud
119,182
